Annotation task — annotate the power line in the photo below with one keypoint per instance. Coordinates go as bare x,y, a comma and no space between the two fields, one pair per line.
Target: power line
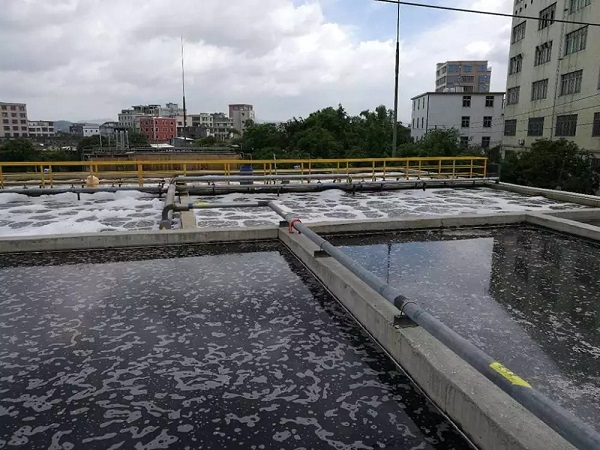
488,13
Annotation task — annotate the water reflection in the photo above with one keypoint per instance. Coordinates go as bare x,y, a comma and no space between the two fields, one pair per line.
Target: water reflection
527,297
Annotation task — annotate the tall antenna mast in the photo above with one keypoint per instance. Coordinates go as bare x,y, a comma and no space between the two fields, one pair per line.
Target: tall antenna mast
183,86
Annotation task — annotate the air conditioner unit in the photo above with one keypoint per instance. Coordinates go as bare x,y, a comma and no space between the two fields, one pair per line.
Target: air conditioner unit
521,141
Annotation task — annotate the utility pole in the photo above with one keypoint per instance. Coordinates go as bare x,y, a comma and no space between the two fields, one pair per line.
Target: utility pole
397,71
183,86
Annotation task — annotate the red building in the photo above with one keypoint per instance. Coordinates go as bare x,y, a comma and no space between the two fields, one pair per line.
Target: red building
158,130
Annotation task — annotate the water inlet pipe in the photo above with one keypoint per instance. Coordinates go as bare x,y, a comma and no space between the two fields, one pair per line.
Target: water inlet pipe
167,214
552,414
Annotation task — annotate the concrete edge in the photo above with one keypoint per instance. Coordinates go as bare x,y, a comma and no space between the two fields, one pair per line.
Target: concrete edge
562,196
396,224
491,418
19,244
575,214
563,225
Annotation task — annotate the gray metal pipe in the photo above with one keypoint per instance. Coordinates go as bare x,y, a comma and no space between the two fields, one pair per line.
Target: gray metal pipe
202,205
36,192
555,416
167,217
218,178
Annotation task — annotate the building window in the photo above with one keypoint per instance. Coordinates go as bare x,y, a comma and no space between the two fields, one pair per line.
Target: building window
547,16
485,142
489,101
16,128
422,122
570,83
464,141
539,90
413,123
512,95
518,32
466,101
467,68
576,5
3,107
453,68
22,115
596,127
467,79
535,127
516,64
566,125
13,108
576,41
465,121
13,114
482,68
543,53
6,128
487,121
510,127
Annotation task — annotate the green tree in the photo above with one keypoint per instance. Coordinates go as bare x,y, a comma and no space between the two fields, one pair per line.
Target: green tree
208,141
17,150
318,143
138,140
552,165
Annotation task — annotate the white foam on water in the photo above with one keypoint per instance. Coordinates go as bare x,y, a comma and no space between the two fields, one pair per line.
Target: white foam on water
21,215
335,205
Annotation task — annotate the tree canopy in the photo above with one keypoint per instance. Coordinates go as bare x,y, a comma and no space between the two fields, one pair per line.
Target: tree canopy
552,165
327,133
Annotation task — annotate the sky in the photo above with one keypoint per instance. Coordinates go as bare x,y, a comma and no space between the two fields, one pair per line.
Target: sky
88,59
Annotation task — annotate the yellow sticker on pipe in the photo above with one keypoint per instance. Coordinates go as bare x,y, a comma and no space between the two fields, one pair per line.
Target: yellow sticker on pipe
509,375
201,204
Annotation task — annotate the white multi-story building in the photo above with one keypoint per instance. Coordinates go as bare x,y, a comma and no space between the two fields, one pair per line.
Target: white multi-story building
463,76
222,127
240,114
477,116
14,120
553,86
85,129
41,129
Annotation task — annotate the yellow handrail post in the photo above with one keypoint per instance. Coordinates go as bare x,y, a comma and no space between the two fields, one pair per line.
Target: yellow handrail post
184,169
485,161
440,168
384,165
50,176
373,178
471,170
407,171
419,170
43,177
338,168
265,169
453,168
347,168
140,170
1,179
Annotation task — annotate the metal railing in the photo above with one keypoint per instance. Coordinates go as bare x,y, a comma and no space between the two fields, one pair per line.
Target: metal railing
49,174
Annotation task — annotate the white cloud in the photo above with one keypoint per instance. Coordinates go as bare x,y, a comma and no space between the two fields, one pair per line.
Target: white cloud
89,58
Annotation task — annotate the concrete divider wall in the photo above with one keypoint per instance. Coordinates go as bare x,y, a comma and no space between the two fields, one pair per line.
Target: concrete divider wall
567,226
85,241
491,418
562,196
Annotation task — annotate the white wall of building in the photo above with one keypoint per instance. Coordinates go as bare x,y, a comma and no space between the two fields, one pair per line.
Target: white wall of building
585,103
41,129
13,120
445,110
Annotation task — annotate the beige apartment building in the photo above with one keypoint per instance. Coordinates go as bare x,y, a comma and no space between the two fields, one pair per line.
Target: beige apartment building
14,120
240,114
553,86
463,76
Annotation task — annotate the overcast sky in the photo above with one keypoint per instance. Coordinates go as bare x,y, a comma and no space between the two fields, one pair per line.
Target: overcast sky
88,59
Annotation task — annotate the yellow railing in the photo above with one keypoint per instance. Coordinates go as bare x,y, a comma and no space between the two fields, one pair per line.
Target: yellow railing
49,174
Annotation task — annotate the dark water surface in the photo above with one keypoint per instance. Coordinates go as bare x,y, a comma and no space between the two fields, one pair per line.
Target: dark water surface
530,298
196,347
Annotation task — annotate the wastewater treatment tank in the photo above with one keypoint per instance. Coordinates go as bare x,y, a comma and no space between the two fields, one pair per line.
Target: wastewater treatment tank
212,347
